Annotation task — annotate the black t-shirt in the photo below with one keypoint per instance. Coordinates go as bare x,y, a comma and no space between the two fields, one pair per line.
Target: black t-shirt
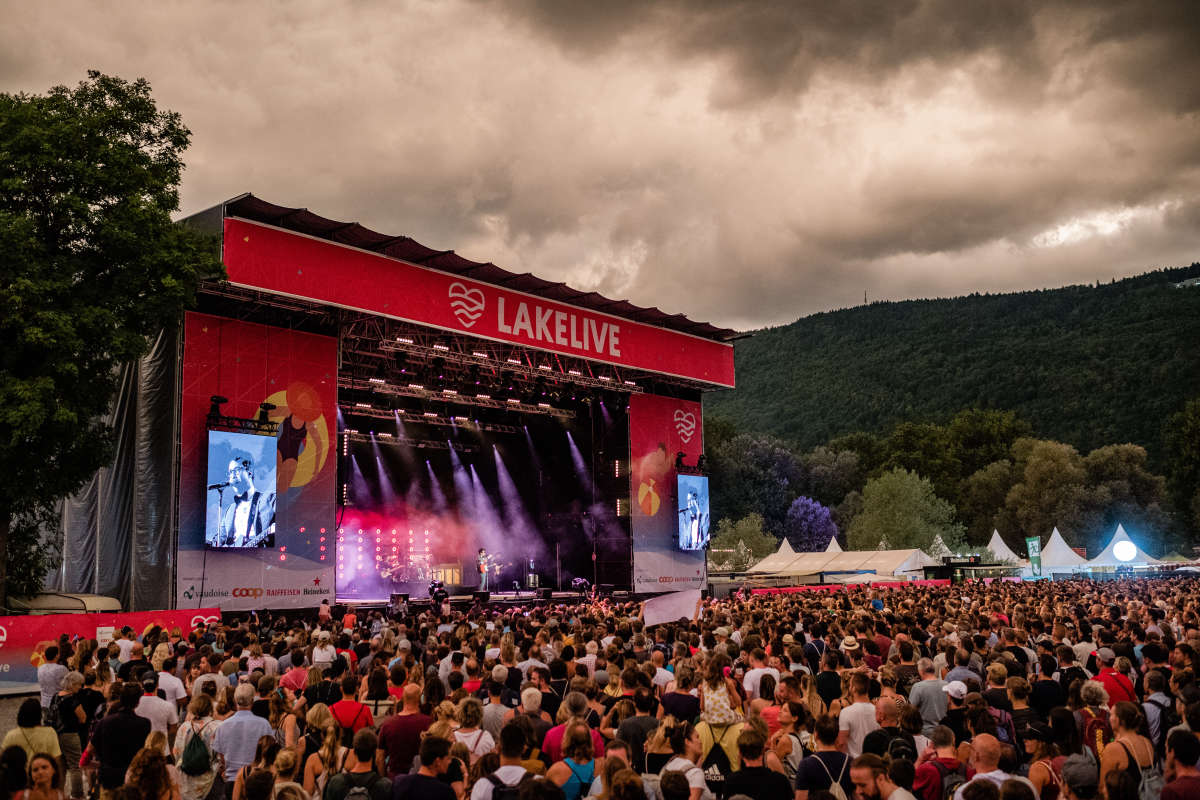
817,772
420,787
681,706
956,720
759,783
68,721
1045,695
133,669
998,698
116,739
829,686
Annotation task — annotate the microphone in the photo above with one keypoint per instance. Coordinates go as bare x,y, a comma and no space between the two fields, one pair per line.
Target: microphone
212,486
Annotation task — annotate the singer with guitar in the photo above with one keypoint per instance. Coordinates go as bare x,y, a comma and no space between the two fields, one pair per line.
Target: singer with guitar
249,521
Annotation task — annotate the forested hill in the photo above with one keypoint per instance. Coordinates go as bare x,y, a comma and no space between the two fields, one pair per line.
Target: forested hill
1087,365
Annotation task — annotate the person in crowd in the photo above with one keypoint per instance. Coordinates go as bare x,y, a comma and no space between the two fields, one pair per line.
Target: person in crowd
859,718
400,735
869,774
577,769
927,695
469,715
237,738
117,738
1180,770
195,783
754,779
425,783
363,774
938,768
50,674
1129,751
688,751
149,777
44,779
510,772
31,735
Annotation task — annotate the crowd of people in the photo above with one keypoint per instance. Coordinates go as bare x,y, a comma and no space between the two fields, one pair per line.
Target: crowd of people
1071,690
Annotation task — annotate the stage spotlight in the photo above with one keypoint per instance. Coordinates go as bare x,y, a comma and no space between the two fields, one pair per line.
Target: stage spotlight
679,461
263,410
216,401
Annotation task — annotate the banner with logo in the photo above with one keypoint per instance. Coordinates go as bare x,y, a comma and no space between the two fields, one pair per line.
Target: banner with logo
280,261
23,640
296,372
659,429
1034,545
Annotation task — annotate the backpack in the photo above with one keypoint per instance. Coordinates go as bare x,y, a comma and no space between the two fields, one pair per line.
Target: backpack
835,784
52,715
196,758
502,791
951,778
1096,731
1006,732
348,731
1150,779
902,745
363,792
1167,719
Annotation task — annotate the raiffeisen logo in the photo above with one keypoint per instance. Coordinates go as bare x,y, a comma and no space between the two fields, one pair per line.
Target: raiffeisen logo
467,304
685,424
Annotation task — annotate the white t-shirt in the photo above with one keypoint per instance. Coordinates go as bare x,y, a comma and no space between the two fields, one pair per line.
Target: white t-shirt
172,687
859,720
162,715
694,775
126,647
324,654
996,776
509,775
662,677
215,678
754,678
478,742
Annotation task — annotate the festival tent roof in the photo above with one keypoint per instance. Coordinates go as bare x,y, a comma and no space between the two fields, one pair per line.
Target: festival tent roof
938,548
1057,553
1175,558
780,558
1108,558
1002,551
882,562
834,547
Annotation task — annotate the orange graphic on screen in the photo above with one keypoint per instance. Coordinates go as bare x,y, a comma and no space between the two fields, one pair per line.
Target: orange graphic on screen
303,444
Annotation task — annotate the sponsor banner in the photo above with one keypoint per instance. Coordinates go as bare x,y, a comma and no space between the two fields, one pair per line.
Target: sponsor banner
24,639
250,365
288,263
660,428
670,607
838,587
1034,545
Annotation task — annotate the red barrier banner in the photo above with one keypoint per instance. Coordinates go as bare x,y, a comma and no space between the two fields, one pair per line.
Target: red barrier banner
833,587
289,263
24,639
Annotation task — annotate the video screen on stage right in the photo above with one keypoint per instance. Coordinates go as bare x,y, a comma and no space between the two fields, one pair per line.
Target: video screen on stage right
693,512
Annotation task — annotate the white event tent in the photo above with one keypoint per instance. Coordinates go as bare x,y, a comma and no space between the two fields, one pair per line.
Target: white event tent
834,547
780,558
1122,552
938,548
1002,551
884,563
1058,556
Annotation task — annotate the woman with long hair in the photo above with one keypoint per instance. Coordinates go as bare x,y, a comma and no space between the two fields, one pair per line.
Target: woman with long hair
1129,751
1065,731
44,780
575,773
681,703
375,695
283,721
766,705
323,750
1045,760
810,696
264,757
470,718
720,702
788,741
688,751
148,776
658,746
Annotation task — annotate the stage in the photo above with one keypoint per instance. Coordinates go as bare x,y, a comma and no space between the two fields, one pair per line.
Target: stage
352,414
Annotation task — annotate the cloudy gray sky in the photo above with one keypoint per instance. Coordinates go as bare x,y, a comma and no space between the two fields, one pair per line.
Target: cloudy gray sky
744,163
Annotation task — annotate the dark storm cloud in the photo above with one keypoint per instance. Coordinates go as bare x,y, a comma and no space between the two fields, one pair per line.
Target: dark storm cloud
745,163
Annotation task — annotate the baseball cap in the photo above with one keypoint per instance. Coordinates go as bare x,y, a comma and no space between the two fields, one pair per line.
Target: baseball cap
1038,731
722,631
956,689
149,679
1106,655
1080,772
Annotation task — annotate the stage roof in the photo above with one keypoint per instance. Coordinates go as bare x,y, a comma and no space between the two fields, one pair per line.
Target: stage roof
404,248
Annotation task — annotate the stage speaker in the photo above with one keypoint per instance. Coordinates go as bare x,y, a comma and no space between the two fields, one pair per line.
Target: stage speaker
545,595
482,597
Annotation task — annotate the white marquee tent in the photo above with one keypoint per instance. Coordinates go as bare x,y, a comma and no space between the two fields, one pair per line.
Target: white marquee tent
780,558
1056,555
938,548
884,563
834,547
1122,552
1001,551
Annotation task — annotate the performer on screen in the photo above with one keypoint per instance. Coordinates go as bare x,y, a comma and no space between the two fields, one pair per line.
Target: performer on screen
250,519
482,560
692,519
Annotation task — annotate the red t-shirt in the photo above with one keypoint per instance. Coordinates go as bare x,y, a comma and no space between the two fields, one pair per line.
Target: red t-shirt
352,714
1181,788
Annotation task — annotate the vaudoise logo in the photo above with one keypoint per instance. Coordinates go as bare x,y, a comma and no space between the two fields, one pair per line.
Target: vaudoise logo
685,424
466,303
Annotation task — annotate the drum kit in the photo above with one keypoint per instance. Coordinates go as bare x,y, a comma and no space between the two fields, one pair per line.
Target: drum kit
416,568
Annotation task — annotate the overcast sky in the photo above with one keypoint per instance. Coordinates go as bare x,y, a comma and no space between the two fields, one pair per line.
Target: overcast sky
743,163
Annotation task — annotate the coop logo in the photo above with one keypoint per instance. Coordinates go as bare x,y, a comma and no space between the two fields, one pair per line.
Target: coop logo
245,591
200,619
685,424
467,304
3,635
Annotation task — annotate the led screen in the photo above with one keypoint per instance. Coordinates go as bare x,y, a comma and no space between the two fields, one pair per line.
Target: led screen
693,512
241,490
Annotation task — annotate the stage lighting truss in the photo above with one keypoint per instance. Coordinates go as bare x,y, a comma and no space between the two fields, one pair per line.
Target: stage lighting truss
408,441
419,417
383,393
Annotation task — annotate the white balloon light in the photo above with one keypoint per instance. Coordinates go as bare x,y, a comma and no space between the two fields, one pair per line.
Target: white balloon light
1124,551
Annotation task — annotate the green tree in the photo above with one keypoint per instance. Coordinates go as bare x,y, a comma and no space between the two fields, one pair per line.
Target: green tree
90,267
832,474
901,509
755,474
1181,439
979,437
1052,491
926,449
981,496
1125,491
748,531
